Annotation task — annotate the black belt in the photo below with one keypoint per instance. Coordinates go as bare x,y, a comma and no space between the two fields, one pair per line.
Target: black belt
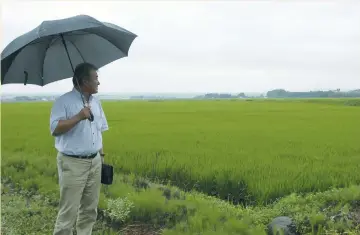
91,156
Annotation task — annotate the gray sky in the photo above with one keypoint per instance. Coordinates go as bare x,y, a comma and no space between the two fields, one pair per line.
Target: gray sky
209,46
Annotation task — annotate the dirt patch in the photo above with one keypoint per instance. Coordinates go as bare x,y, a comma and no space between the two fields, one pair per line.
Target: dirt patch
140,229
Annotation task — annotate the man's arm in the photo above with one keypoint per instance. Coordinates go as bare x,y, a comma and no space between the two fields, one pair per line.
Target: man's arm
104,123
58,114
59,124
64,126
104,126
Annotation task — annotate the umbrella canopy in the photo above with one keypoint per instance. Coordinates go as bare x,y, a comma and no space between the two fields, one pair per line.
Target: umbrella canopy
42,55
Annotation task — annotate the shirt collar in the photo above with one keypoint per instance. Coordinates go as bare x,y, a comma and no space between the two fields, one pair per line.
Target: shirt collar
78,94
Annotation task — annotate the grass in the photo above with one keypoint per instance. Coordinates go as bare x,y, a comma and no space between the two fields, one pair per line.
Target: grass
276,157
335,211
241,151
22,213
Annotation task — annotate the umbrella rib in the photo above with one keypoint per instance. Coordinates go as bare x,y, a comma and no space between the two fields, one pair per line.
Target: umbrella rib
42,71
82,57
99,35
48,46
15,54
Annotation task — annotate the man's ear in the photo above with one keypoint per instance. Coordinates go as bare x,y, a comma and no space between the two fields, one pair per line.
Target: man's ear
86,82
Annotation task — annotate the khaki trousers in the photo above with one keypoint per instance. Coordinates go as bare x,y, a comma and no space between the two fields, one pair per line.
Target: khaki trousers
80,182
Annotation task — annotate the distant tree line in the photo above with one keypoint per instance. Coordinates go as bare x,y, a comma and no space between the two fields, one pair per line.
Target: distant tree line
224,96
281,93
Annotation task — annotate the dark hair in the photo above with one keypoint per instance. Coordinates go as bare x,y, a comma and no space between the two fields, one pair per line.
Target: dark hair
81,72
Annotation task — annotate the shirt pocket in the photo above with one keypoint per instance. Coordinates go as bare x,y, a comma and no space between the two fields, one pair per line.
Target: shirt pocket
97,118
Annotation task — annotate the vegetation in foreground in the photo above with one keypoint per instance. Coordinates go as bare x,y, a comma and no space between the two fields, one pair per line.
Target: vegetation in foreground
301,147
163,209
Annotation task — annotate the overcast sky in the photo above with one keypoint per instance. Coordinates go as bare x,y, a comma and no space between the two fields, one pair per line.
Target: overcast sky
209,46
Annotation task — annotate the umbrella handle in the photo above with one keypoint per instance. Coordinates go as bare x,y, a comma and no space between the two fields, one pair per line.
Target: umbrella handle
91,118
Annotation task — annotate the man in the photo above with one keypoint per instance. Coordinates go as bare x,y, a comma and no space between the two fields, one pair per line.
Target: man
80,152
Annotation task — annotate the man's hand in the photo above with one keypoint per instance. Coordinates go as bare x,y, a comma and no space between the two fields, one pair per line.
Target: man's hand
84,113
102,155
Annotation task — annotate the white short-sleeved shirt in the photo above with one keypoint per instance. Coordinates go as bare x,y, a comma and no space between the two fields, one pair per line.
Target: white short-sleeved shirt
86,137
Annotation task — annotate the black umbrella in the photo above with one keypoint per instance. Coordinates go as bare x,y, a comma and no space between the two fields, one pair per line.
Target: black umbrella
49,52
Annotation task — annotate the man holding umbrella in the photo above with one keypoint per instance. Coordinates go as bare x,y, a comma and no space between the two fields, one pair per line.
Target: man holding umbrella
45,55
79,143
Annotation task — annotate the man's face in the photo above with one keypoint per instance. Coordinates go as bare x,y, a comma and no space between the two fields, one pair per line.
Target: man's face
92,83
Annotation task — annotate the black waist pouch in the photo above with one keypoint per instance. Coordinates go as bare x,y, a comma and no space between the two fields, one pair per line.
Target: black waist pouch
107,172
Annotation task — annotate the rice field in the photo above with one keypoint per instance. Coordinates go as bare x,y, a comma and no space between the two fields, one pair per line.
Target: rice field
242,151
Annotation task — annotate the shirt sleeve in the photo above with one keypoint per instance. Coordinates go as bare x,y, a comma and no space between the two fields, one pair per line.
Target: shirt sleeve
104,124
58,112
